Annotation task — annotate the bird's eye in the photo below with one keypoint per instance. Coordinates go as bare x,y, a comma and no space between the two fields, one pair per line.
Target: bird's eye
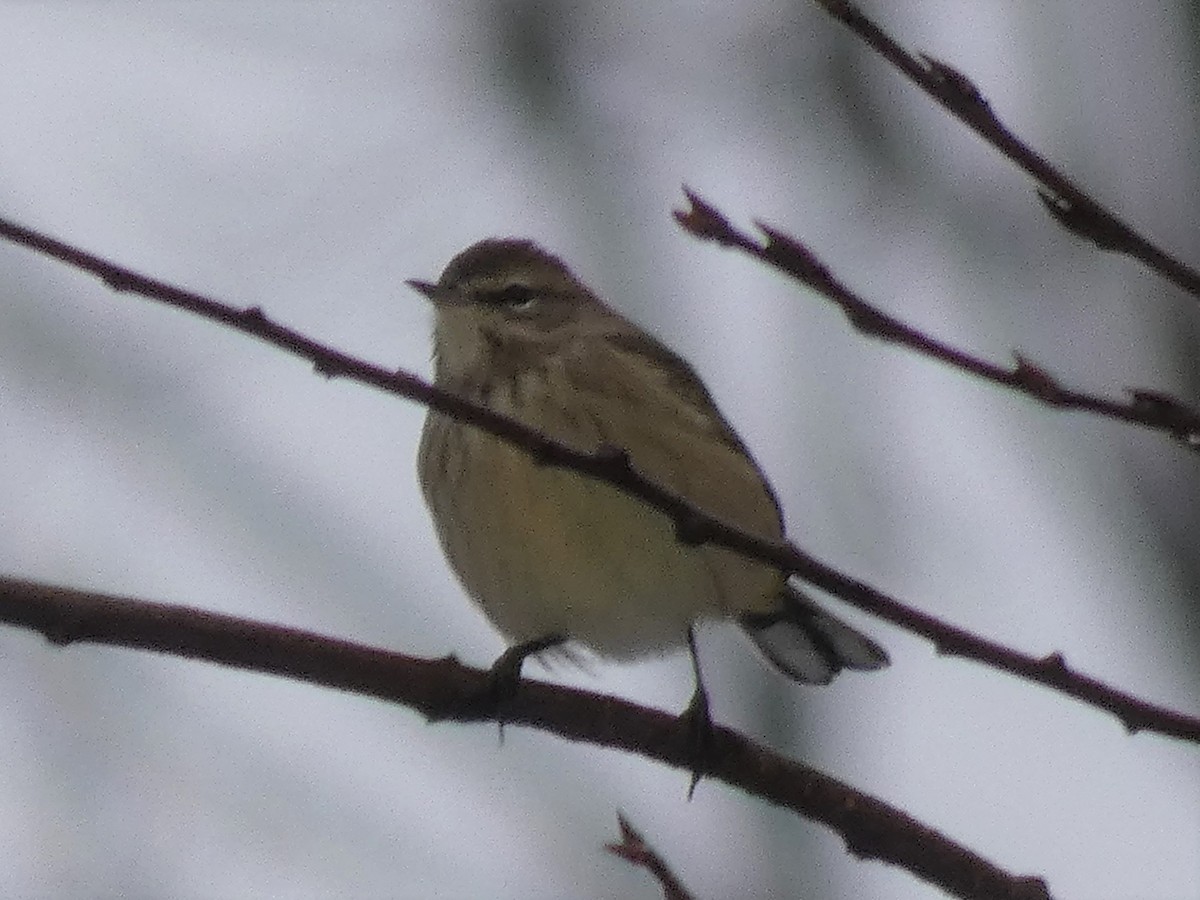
514,296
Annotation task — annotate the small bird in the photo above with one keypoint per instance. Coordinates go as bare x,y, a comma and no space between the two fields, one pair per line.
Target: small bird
556,558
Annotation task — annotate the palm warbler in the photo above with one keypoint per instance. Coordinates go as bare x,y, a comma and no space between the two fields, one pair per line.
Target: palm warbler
553,556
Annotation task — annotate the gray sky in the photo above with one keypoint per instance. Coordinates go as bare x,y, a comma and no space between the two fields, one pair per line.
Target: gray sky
308,158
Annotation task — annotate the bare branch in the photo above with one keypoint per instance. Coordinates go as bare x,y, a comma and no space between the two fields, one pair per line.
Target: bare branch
634,850
693,524
1150,409
1069,205
441,688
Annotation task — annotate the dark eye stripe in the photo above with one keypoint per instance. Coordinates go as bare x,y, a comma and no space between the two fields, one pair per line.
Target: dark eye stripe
511,295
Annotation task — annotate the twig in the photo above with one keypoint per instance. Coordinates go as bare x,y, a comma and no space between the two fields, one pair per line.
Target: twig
441,688
693,525
634,850
1069,204
1151,409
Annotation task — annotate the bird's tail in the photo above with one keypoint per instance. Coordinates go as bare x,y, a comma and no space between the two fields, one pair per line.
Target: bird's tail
808,644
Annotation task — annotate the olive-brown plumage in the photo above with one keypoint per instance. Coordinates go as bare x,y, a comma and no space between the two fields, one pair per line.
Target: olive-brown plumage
548,553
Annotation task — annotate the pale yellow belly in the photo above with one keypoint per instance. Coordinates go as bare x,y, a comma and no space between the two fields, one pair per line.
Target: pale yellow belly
547,551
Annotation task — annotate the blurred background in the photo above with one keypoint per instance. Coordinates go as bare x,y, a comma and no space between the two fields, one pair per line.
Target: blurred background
309,157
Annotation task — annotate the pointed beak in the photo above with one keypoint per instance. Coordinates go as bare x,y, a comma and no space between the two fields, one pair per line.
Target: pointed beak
427,288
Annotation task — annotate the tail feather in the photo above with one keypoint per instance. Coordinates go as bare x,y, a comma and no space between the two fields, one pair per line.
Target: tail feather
808,644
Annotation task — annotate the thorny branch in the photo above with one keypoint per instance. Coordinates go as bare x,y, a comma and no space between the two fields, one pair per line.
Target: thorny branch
1066,202
693,525
634,850
1151,409
441,688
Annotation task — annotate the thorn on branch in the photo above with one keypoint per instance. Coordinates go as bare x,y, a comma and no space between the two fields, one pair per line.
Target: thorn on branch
1054,664
789,254
858,847
1086,219
1183,421
703,220
253,315
68,627
1036,380
1132,726
960,91
1031,887
951,645
871,322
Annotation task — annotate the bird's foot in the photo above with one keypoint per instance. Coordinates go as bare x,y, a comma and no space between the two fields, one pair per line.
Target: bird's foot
503,680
